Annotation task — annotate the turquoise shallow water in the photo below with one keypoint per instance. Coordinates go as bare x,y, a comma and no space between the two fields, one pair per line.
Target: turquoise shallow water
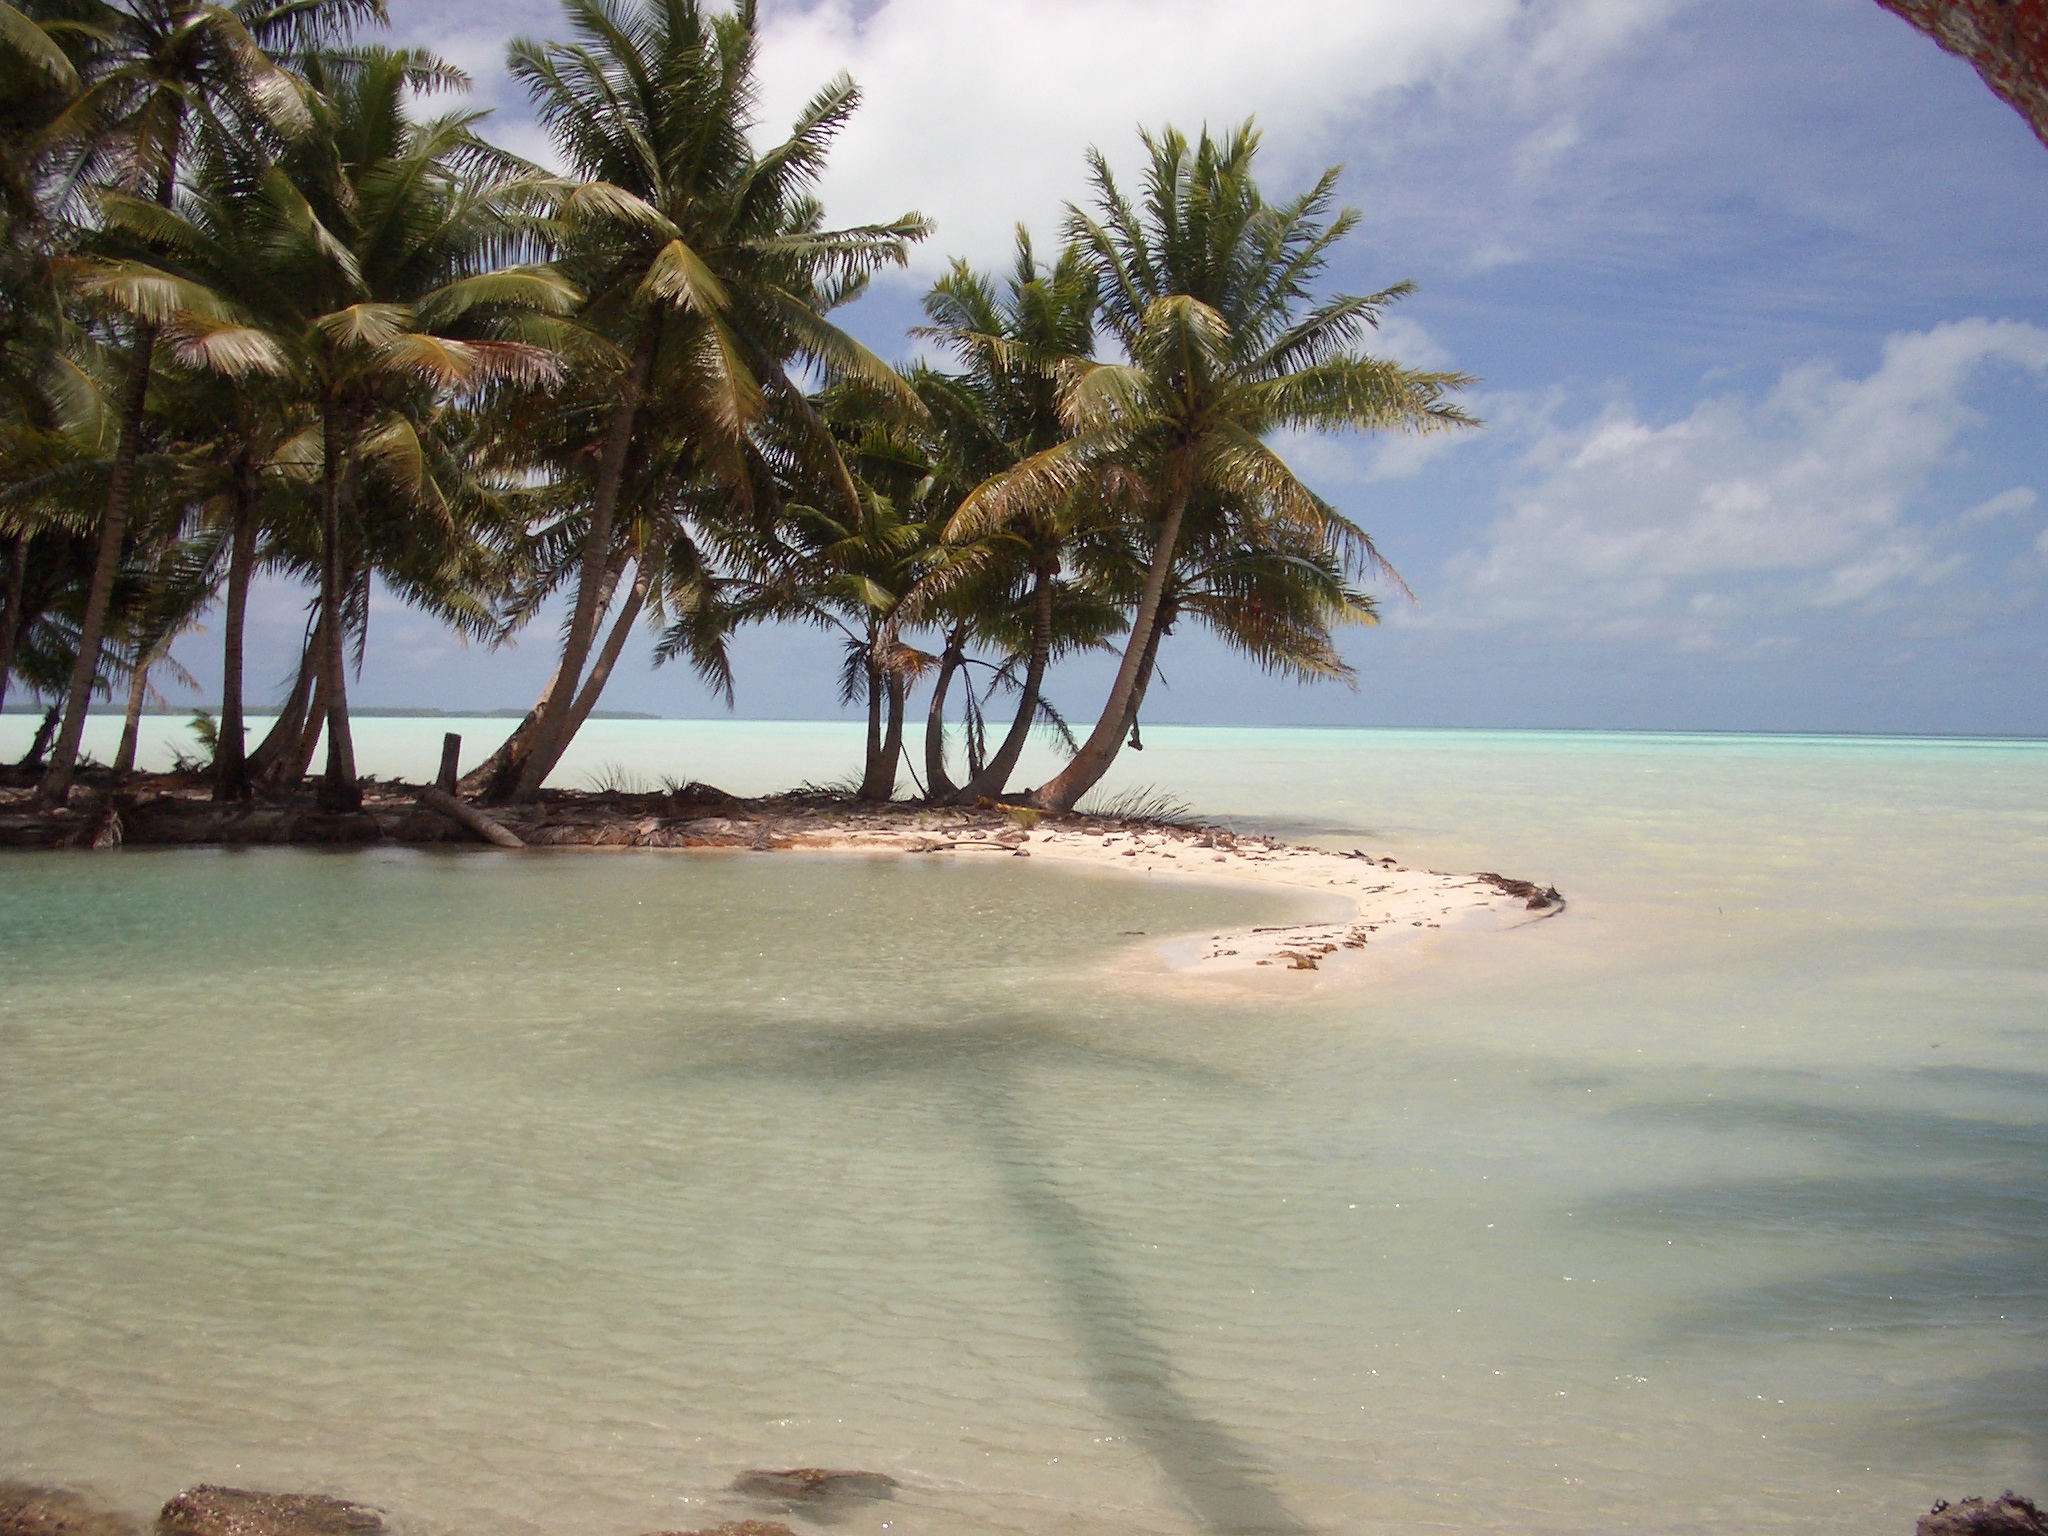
546,1193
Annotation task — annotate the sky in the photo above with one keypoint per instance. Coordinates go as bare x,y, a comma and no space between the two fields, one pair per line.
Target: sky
1756,292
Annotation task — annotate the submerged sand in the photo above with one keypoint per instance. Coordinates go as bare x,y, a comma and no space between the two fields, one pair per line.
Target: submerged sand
1378,906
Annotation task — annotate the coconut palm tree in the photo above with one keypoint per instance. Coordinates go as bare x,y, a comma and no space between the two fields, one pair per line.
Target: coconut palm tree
244,421
155,66
708,269
389,294
999,411
1208,291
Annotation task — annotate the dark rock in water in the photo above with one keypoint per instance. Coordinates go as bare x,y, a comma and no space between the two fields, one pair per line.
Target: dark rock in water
26,1510
736,1528
814,1485
2009,1515
212,1511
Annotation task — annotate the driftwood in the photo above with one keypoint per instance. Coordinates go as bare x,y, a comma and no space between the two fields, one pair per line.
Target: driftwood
489,828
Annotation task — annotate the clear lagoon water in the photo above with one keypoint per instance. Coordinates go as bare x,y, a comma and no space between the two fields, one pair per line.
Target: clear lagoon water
544,1193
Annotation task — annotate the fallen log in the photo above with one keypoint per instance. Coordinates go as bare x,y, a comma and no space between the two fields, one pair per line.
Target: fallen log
469,817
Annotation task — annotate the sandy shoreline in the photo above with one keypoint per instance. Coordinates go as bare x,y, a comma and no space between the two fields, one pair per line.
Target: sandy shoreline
1380,905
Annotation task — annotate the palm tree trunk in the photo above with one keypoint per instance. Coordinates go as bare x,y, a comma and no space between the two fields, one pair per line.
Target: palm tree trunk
10,619
1063,789
871,773
607,658
938,788
281,741
33,757
230,757
552,729
608,655
994,777
131,722
338,788
494,779
894,689
291,772
1146,673
56,786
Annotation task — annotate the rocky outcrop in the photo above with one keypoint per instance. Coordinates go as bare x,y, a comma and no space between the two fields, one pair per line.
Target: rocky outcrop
213,1511
26,1510
2007,1515
2007,41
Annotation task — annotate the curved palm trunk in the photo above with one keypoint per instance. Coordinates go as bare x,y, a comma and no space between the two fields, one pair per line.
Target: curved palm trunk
994,777
10,617
938,787
552,729
1063,789
292,770
131,721
56,786
230,758
280,743
1146,672
494,779
607,658
338,788
614,644
45,733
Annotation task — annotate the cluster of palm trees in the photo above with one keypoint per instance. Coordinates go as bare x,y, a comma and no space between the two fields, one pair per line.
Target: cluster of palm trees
264,309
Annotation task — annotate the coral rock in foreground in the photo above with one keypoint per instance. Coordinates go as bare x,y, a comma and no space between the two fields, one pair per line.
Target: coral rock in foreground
26,1510
213,1511
2009,1515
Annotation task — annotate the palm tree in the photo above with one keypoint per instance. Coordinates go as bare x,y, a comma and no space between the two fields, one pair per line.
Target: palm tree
243,424
706,263
156,64
385,296
1208,291
999,411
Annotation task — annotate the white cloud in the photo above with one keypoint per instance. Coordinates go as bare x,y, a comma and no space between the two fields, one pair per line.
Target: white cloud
1800,500
2020,498
978,114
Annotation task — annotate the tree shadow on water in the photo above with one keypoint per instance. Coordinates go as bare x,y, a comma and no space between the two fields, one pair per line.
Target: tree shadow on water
1223,1482
1221,1479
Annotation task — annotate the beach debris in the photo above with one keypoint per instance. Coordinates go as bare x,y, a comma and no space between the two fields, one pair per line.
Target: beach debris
108,833
2006,1515
489,828
29,1510
814,1485
1535,898
210,1510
